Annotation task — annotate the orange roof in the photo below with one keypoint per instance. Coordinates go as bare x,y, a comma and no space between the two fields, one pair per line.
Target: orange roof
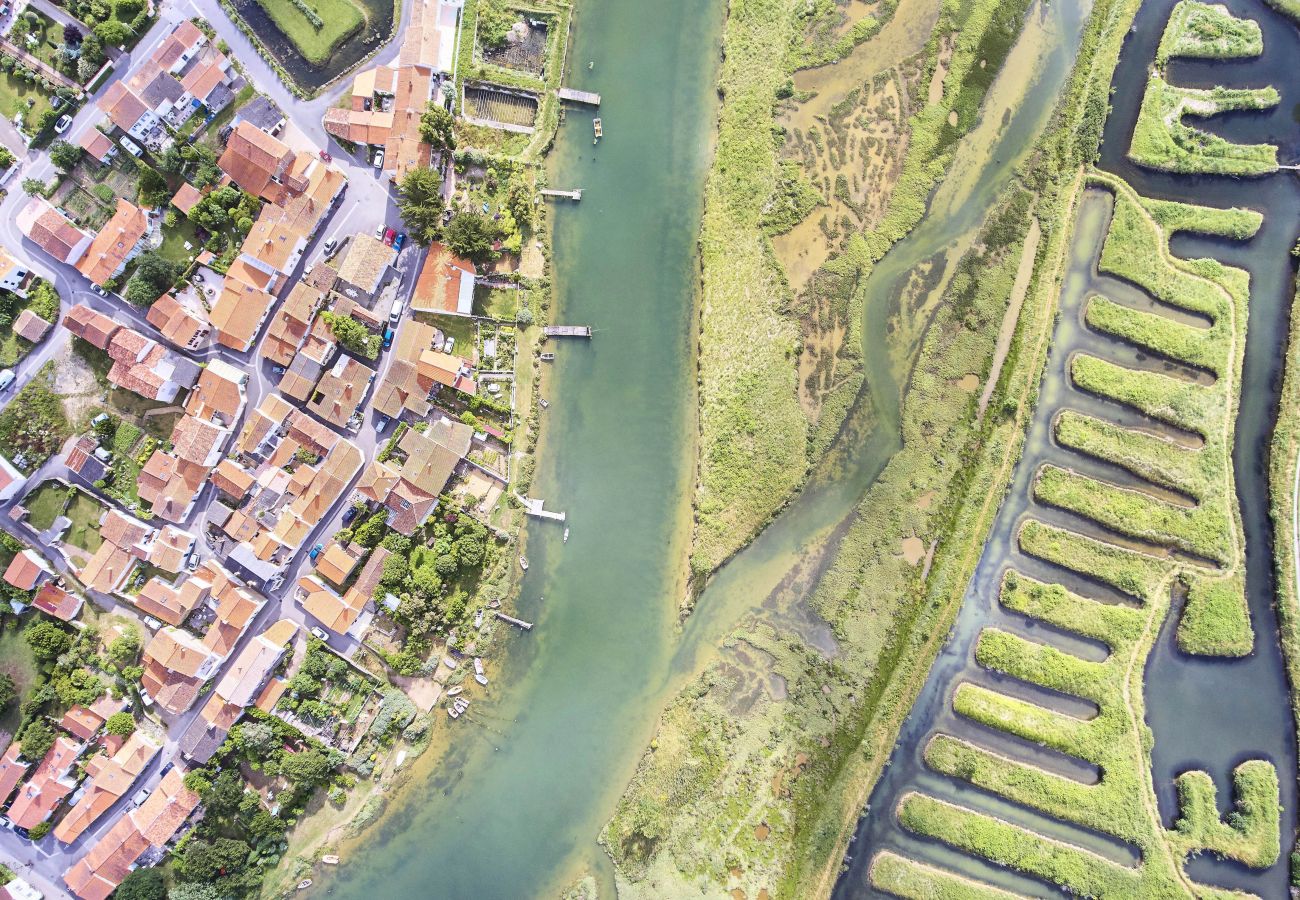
81,722
218,396
242,305
50,231
121,105
115,242
110,779
55,601
446,283
232,479
96,143
107,568
50,783
25,570
12,770
30,326
180,322
337,562
290,323
186,197
253,159
90,325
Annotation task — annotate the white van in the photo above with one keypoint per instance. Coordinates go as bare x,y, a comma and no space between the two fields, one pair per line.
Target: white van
6,379
130,146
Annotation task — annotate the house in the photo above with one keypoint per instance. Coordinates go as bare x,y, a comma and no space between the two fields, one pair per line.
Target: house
446,369
147,828
290,324
279,237
84,722
98,146
12,769
182,318
176,664
111,778
243,305
126,543
27,569
337,562
48,229
343,614
54,779
118,242
15,277
82,461
54,600
240,687
31,327
140,364
445,284
261,112
403,388
11,480
259,163
127,111
409,487
364,267
232,479
187,196
340,392
218,395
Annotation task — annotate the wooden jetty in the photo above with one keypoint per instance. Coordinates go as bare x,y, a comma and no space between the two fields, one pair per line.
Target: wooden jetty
588,98
566,331
533,507
518,623
570,195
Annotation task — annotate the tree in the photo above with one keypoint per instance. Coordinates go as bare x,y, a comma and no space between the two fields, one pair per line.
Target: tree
154,274
8,690
352,335
120,723
395,571
153,187
310,767
471,234
203,861
224,795
33,187
437,127
370,532
123,650
64,155
194,890
112,32
72,35
47,640
419,199
304,685
142,884
36,740
172,161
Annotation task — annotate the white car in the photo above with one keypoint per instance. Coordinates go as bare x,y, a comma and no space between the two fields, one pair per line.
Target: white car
379,232
379,159
63,124
140,796
6,378
98,290
320,633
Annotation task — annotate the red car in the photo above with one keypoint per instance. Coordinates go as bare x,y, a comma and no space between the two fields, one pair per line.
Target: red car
325,156
389,235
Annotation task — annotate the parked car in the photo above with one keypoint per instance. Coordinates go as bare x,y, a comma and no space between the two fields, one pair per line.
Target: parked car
98,290
379,159
279,370
381,423
389,236
325,156
399,241
331,247
57,103
315,551
388,338
6,379
349,514
396,315
379,232
319,633
153,623
130,146
449,346
65,121
139,797
167,768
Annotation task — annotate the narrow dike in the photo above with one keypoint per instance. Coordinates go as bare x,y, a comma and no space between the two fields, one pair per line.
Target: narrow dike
1194,657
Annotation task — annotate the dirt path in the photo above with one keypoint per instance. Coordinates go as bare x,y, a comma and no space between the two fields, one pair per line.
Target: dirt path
1012,317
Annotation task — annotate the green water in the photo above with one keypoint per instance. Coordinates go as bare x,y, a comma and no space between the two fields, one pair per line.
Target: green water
514,806
527,783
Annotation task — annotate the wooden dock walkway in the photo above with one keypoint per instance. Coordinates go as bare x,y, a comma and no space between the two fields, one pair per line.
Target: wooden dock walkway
590,98
553,192
518,623
533,507
566,331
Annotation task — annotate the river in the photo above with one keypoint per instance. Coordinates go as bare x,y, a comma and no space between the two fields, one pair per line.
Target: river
512,809
1204,713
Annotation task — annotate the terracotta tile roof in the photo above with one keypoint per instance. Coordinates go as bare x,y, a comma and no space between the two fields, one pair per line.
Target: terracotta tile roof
336,562
89,325
290,324
58,602
170,547
202,79
186,197
186,36
26,569
175,665
253,159
50,783
50,231
107,568
81,722
218,395
243,303
115,243
232,479
271,694
12,770
125,531
402,386
341,391
445,368
366,262
243,679
121,105
30,326
325,604
180,322
96,143
109,782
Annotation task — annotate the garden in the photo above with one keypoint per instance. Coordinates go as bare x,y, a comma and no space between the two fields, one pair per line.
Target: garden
33,425
55,498
42,300
26,97
315,27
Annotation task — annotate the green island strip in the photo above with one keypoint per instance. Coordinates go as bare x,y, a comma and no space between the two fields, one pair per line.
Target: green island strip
1287,8
1163,141
1208,31
1128,571
908,878
1156,459
1156,333
756,443
316,28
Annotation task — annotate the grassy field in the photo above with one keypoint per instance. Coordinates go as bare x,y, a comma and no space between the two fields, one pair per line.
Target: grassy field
1162,140
318,33
1200,30
17,662
19,96
1286,7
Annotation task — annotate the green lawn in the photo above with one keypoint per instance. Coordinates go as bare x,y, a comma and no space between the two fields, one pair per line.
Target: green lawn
17,662
15,93
45,504
459,327
85,512
340,19
174,238
496,303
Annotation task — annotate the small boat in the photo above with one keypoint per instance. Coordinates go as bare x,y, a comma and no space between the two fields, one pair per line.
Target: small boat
566,535
481,679
548,357
304,884
330,859
597,128
478,665
591,64
461,704
543,403
453,712
449,662
453,691
478,619
523,563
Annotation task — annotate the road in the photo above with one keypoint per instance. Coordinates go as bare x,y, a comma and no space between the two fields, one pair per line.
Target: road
367,203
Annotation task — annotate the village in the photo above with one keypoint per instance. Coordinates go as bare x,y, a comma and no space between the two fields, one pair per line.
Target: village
271,389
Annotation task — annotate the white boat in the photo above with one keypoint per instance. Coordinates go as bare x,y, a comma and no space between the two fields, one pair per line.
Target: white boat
523,563
452,692
481,679
478,665
548,357
449,662
478,619
461,705
304,884
598,128
330,859
566,535
453,712
543,403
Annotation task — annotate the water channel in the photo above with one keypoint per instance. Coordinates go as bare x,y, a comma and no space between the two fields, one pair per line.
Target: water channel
377,28
513,806
1204,714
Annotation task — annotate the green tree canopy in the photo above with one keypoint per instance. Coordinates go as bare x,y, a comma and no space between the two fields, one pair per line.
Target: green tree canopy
142,884
36,740
47,640
419,198
64,155
437,127
471,234
310,767
120,723
8,690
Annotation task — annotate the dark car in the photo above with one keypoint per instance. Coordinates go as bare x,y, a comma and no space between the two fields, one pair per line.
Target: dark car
401,239
389,236
388,338
349,514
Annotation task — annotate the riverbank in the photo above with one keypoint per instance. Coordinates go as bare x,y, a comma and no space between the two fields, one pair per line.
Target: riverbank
794,761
